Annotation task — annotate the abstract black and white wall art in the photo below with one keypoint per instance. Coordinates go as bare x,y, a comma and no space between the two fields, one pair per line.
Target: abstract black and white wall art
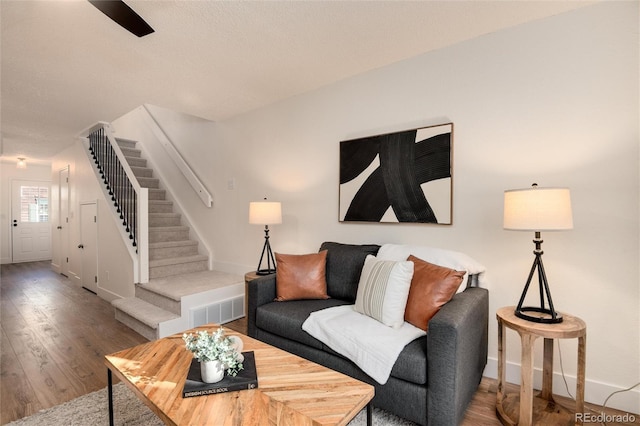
398,177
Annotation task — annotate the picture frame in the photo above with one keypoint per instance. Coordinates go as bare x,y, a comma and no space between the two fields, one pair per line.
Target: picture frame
400,177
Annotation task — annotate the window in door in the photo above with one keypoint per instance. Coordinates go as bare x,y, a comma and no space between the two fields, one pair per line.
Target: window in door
34,204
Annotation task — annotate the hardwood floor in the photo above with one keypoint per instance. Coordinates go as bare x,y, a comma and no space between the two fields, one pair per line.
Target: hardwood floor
54,338
55,335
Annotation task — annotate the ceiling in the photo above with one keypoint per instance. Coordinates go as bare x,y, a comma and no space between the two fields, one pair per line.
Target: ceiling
65,66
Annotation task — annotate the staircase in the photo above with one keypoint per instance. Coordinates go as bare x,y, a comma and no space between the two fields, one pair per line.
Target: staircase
171,252
176,269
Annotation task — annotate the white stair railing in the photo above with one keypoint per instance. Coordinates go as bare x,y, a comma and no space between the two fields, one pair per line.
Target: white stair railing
179,161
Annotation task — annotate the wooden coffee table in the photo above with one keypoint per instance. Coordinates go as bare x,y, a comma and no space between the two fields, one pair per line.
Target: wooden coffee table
291,390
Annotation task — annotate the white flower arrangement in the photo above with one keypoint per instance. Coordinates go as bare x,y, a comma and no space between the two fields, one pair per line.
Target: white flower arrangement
214,347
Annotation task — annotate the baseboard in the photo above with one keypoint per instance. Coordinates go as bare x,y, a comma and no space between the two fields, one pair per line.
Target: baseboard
108,295
74,278
595,392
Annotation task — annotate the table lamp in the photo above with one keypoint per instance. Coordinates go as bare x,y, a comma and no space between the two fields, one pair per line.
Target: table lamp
538,209
265,213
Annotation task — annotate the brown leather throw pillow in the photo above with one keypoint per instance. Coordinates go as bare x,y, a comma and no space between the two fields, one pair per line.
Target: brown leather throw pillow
301,276
431,287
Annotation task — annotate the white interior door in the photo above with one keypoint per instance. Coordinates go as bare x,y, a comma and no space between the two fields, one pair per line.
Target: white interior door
63,220
30,227
89,246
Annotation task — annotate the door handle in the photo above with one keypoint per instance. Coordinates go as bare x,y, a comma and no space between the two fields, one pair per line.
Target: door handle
59,227
81,246
15,222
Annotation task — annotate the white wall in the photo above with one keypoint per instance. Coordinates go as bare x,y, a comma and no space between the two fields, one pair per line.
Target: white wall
115,267
553,102
8,173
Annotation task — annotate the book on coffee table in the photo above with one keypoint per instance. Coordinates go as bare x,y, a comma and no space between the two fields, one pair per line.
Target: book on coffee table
245,379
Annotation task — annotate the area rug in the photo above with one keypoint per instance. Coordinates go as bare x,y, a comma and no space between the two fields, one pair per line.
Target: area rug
92,409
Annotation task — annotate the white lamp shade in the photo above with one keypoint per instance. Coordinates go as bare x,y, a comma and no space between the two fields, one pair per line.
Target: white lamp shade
537,209
265,213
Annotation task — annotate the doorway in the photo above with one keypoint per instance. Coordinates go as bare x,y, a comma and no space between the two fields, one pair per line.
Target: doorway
30,227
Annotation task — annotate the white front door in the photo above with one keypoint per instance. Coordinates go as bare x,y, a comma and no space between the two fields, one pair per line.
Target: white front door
89,246
30,227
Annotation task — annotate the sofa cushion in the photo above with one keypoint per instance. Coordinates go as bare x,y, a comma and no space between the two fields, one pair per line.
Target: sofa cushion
344,264
285,318
301,276
431,287
383,290
412,362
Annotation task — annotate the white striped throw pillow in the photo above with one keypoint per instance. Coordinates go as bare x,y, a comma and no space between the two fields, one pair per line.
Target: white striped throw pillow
383,290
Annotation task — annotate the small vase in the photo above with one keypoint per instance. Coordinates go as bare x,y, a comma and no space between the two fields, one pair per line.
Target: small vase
211,371
237,345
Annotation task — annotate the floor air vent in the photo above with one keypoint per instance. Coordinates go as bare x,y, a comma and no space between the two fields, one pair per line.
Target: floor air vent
219,312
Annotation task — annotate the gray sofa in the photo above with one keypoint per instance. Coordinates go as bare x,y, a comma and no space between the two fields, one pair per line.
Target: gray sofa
436,375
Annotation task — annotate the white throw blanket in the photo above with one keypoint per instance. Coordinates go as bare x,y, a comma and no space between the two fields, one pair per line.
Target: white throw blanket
371,345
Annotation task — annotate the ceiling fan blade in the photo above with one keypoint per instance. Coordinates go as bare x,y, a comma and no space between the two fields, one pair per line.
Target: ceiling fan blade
124,16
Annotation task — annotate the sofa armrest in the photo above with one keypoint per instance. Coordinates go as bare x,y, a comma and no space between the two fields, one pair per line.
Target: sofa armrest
260,291
456,355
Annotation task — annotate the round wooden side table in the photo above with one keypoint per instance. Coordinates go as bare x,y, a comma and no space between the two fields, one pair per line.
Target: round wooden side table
527,409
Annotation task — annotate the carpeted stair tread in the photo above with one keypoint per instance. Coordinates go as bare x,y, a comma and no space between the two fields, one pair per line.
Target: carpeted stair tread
142,171
164,219
168,233
148,182
169,244
138,162
169,249
160,206
177,260
169,228
165,214
177,286
156,194
131,152
145,312
128,143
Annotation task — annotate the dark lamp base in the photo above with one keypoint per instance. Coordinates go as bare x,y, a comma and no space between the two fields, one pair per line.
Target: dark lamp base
265,271
547,317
